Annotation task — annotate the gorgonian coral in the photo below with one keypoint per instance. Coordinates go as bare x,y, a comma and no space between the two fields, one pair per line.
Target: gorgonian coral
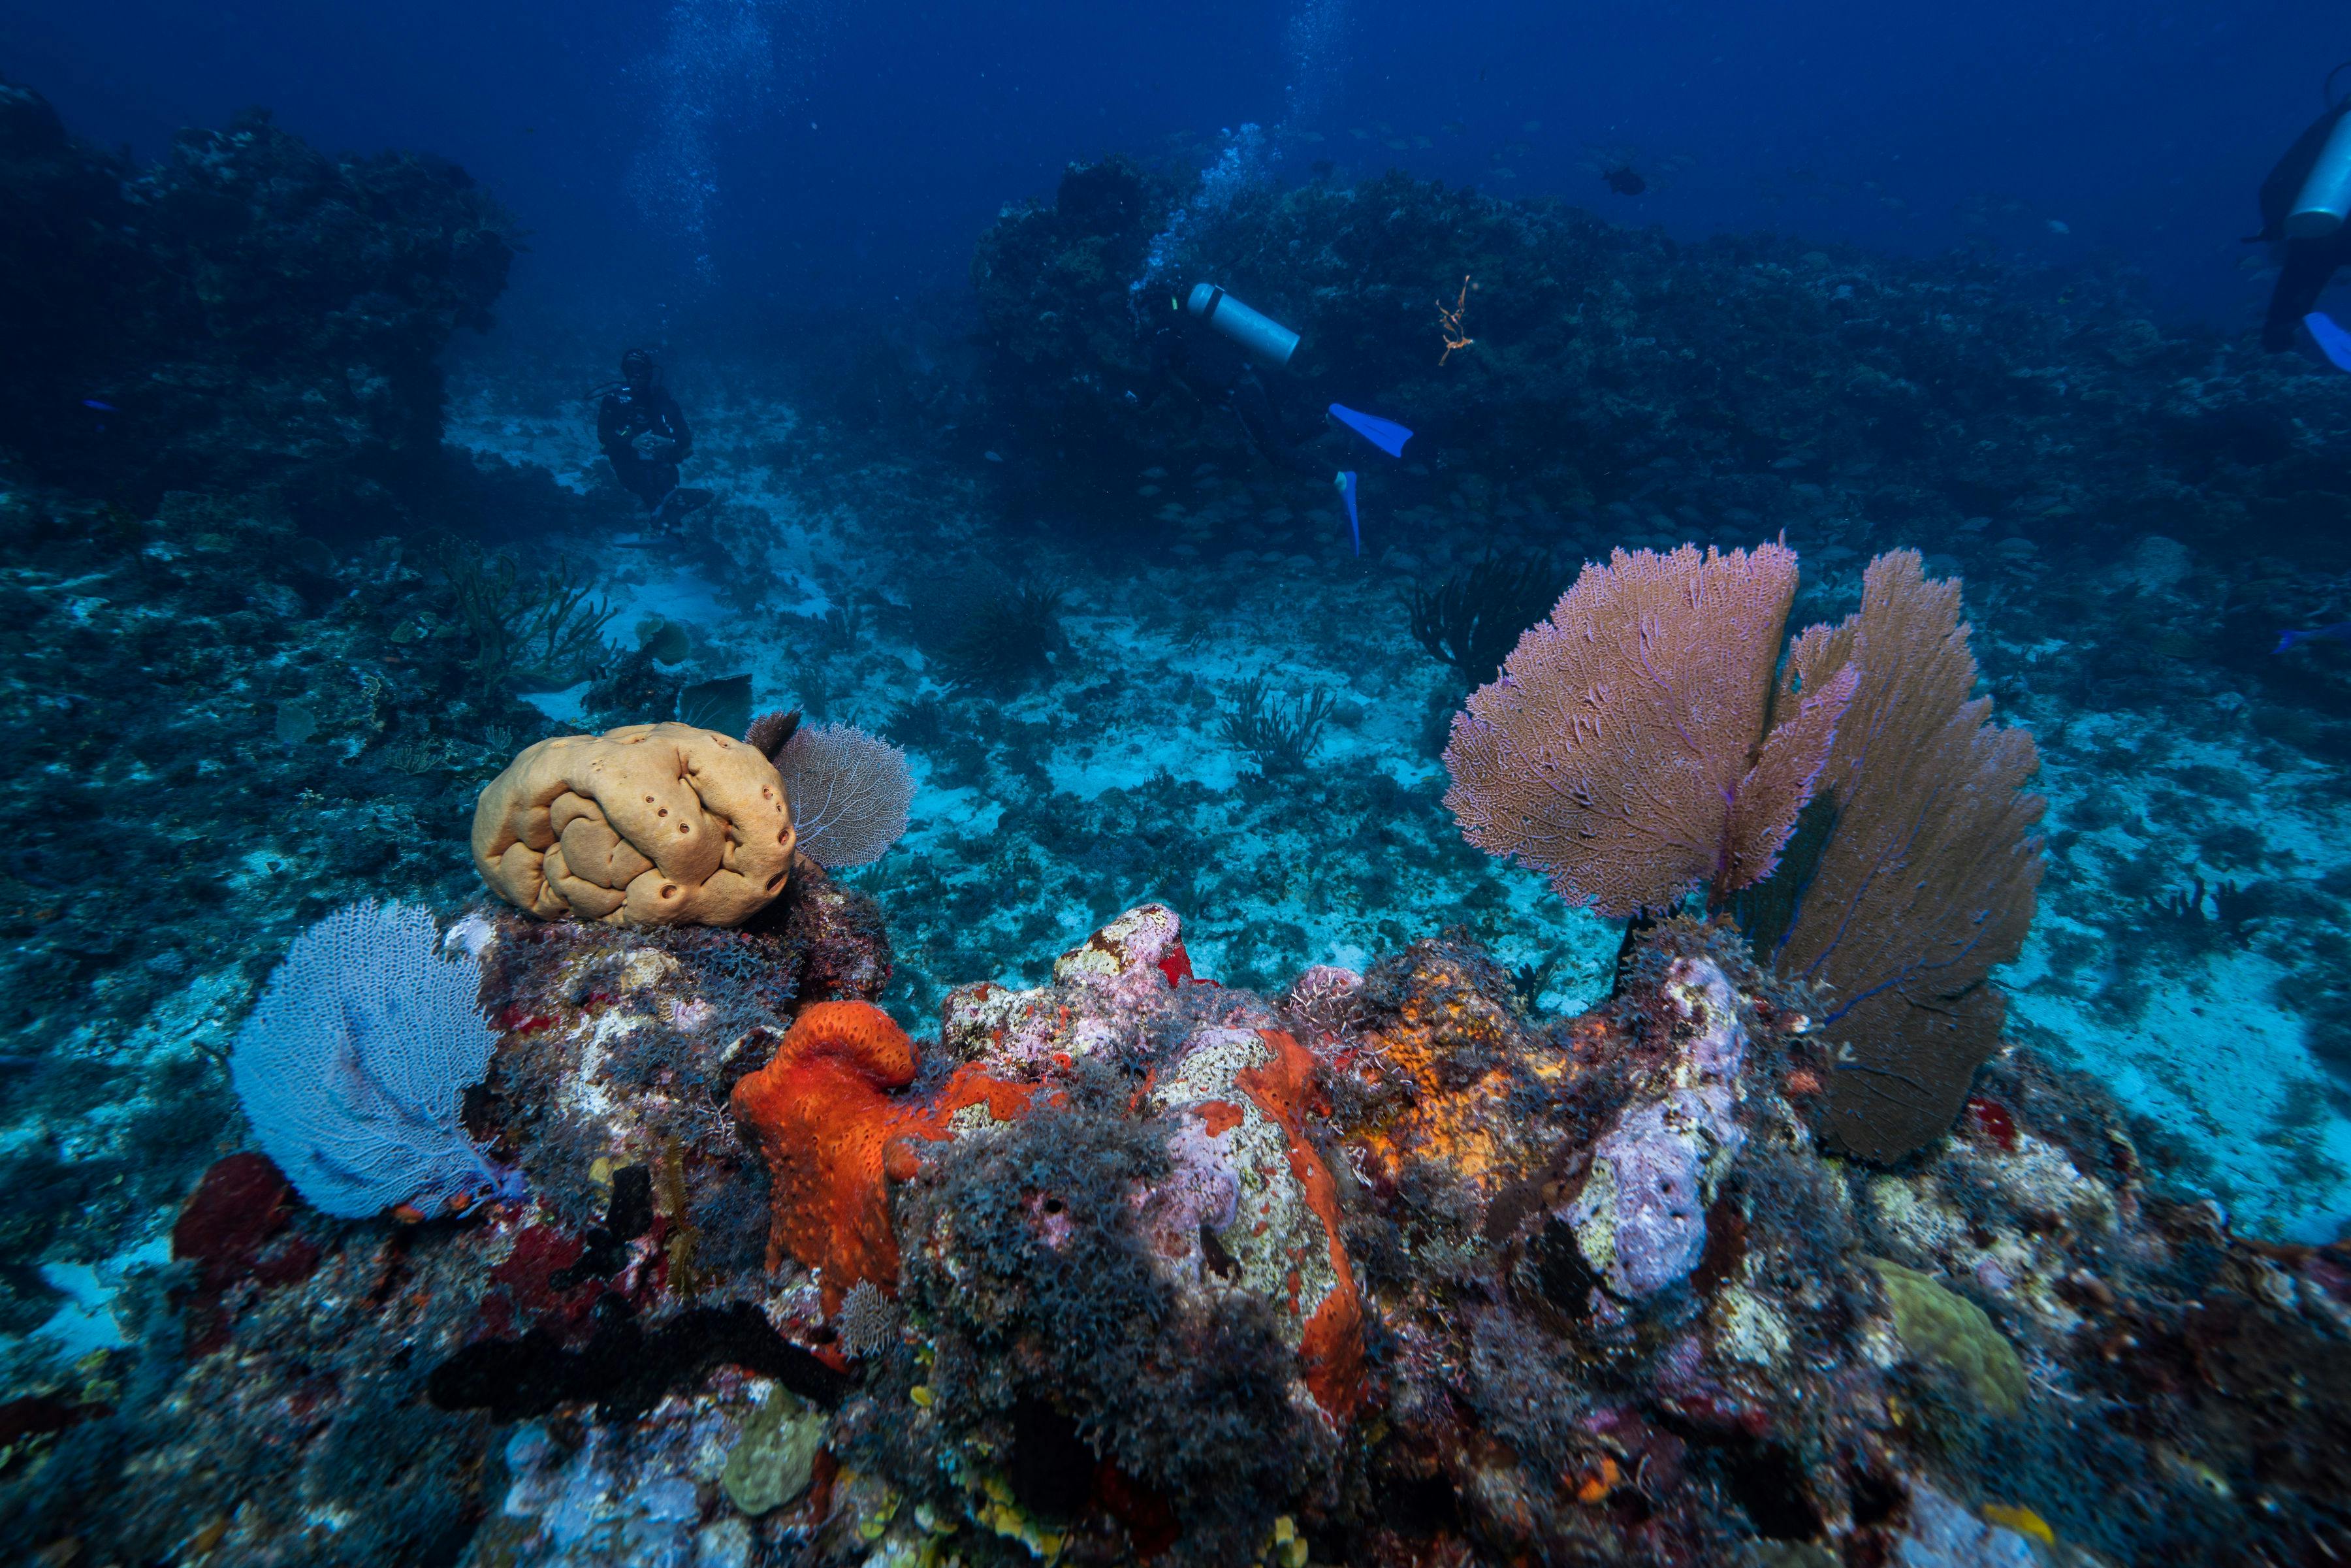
849,792
1920,873
352,1065
1638,747
1624,753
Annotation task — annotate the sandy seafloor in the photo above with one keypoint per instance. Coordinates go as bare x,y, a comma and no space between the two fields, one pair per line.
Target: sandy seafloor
1123,738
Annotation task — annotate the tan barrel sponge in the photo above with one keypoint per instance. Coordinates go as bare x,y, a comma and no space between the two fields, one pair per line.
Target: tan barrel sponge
651,824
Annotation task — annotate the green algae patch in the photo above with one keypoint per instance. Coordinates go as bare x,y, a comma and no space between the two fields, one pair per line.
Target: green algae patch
771,1463
1954,1334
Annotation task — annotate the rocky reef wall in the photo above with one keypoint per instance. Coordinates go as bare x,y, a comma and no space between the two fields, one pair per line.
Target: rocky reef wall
247,314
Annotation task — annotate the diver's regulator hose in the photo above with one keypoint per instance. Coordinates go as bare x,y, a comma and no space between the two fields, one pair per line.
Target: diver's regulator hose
1261,335
2319,212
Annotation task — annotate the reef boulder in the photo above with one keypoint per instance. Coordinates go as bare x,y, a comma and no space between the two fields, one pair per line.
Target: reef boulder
1130,1266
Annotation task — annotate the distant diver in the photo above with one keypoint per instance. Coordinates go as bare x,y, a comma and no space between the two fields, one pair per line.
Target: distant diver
1206,345
1625,180
2303,204
644,437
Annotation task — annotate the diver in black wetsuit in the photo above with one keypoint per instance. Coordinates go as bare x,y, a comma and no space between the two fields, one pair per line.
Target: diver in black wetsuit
2310,263
1218,371
644,437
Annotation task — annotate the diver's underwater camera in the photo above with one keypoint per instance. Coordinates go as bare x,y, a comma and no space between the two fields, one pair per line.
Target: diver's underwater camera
1260,334
2325,199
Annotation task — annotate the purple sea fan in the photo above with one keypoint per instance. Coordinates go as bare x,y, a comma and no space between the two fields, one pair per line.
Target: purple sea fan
352,1065
848,790
1624,750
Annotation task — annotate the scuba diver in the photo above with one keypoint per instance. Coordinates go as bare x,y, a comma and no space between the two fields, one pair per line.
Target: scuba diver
2303,204
644,437
1208,350
1206,344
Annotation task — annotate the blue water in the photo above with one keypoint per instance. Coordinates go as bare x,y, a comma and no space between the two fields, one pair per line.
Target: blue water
842,155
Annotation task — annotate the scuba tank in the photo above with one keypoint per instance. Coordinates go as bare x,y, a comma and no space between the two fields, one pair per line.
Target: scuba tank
1261,335
2325,199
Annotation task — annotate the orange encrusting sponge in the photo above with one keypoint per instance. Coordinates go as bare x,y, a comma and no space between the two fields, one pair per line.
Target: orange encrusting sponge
1332,1350
835,1131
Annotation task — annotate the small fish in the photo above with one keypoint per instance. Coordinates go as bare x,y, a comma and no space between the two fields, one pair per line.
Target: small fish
101,407
2340,632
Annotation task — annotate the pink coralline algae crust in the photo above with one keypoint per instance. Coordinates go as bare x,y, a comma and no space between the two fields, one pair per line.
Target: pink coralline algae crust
1641,1218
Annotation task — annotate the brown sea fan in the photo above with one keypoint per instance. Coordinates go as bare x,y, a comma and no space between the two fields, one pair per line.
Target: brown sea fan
1920,874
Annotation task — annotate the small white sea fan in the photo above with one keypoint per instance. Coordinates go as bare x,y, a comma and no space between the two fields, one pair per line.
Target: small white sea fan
352,1065
867,1321
848,791
1324,1002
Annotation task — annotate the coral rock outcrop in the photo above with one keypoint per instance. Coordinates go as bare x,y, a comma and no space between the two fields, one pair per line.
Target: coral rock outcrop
1132,1267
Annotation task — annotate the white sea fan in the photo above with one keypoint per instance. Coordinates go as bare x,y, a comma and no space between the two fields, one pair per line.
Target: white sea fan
867,1321
848,791
352,1065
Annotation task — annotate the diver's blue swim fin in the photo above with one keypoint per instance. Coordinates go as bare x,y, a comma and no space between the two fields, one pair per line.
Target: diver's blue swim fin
2332,340
1384,433
1347,494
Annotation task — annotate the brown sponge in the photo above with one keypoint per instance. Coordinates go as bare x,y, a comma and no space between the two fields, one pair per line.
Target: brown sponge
651,824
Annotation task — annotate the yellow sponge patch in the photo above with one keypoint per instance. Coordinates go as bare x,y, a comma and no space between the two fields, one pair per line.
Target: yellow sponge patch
654,824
